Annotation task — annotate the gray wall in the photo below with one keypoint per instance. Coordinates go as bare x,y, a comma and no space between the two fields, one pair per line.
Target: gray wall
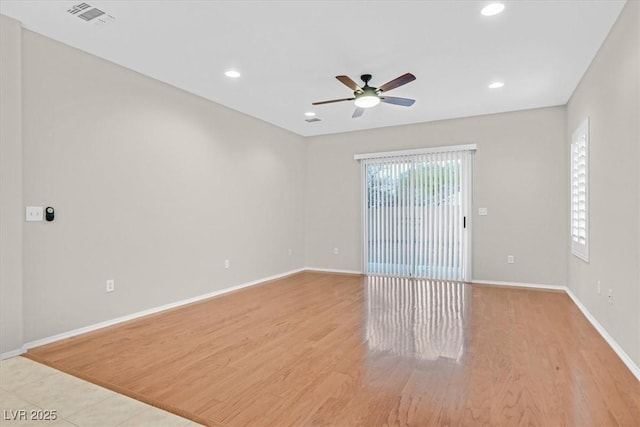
152,186
520,176
10,186
609,94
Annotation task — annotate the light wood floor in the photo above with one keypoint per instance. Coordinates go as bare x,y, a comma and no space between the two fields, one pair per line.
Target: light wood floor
323,349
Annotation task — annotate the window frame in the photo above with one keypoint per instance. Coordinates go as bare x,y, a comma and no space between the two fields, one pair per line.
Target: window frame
579,136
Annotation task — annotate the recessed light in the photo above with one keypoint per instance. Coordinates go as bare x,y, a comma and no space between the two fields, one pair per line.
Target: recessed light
496,85
492,9
309,114
232,73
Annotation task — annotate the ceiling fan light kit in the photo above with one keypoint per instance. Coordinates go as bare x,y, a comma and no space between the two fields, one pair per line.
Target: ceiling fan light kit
369,96
365,100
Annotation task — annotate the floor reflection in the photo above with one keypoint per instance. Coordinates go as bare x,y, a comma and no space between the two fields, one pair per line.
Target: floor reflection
416,318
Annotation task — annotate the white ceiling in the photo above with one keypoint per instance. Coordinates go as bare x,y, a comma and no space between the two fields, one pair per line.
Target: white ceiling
289,52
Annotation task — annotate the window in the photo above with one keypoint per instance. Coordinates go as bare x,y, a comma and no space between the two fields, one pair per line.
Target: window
580,191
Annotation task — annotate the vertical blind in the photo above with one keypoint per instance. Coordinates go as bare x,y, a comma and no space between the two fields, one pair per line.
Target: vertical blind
580,191
415,214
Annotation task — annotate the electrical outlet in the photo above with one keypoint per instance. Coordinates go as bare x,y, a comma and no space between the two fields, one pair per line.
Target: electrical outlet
111,285
336,251
290,252
598,289
482,212
34,213
610,296
227,264
510,259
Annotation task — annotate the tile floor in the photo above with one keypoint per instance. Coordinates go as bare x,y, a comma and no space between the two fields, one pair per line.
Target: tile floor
29,389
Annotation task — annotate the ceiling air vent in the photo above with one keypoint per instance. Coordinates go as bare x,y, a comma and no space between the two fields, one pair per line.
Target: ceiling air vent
88,13
312,120
91,14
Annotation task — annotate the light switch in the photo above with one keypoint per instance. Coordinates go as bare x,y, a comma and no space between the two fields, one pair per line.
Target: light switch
34,213
482,211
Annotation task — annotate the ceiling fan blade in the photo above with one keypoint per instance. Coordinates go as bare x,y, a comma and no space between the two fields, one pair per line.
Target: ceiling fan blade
345,80
357,113
397,82
332,100
405,102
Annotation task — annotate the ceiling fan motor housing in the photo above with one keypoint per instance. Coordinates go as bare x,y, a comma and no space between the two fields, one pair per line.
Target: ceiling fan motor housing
366,91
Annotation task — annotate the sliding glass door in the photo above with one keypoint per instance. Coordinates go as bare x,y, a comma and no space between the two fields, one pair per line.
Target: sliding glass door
416,220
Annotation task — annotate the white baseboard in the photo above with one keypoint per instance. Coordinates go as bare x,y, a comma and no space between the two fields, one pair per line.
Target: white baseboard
147,312
601,330
332,270
635,370
96,326
520,285
12,353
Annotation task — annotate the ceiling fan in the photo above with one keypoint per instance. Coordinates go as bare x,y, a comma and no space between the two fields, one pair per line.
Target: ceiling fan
369,96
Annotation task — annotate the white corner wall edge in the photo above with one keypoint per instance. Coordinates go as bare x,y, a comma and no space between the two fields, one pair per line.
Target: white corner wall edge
635,370
142,313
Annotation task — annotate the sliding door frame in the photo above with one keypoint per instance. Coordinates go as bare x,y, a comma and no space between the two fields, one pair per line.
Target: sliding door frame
466,202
